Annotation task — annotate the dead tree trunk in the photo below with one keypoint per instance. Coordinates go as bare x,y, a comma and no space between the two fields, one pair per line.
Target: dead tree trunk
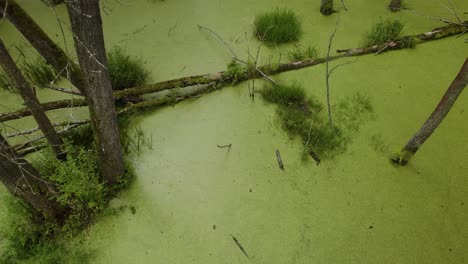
86,23
436,117
395,5
326,7
24,181
30,99
50,51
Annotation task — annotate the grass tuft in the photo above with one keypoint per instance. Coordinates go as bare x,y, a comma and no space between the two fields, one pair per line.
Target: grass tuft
125,71
383,31
278,27
38,72
300,54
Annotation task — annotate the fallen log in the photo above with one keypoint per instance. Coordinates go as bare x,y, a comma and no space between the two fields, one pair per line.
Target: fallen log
224,78
409,41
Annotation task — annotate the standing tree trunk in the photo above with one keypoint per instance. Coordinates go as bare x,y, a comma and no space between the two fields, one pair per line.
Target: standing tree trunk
30,99
50,51
436,117
395,5
86,25
326,7
24,181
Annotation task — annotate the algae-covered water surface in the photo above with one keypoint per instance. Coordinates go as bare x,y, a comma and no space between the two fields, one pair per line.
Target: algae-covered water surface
195,201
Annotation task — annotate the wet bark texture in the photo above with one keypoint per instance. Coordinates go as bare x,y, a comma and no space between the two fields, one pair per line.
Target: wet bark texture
440,112
30,99
86,25
24,181
50,51
395,5
326,7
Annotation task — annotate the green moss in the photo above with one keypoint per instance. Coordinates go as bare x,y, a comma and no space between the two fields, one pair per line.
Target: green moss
401,157
235,71
125,71
409,41
277,27
383,31
38,72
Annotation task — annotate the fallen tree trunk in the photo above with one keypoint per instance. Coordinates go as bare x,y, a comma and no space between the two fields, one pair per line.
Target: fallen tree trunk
224,78
409,41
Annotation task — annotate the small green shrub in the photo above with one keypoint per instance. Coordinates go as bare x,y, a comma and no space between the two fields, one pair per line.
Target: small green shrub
125,71
383,31
235,71
277,27
300,54
81,188
38,72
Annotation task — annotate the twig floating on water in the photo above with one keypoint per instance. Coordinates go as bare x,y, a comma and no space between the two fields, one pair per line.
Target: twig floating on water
225,146
280,162
240,246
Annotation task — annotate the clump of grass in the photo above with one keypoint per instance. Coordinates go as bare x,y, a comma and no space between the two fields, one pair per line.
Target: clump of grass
300,54
125,71
384,31
235,71
284,94
278,27
38,72
301,116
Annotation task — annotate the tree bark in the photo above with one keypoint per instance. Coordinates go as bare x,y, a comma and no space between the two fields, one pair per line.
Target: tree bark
50,51
326,7
24,181
434,120
395,5
30,99
86,23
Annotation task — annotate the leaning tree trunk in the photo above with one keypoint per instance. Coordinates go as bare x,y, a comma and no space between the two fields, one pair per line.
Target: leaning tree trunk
30,99
86,25
24,181
326,7
395,5
50,51
436,117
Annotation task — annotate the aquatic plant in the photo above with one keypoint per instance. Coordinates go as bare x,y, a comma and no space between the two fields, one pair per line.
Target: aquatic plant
80,188
125,71
38,72
301,116
384,31
277,27
300,54
235,71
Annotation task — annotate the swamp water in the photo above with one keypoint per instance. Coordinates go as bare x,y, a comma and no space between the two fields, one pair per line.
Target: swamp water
191,197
